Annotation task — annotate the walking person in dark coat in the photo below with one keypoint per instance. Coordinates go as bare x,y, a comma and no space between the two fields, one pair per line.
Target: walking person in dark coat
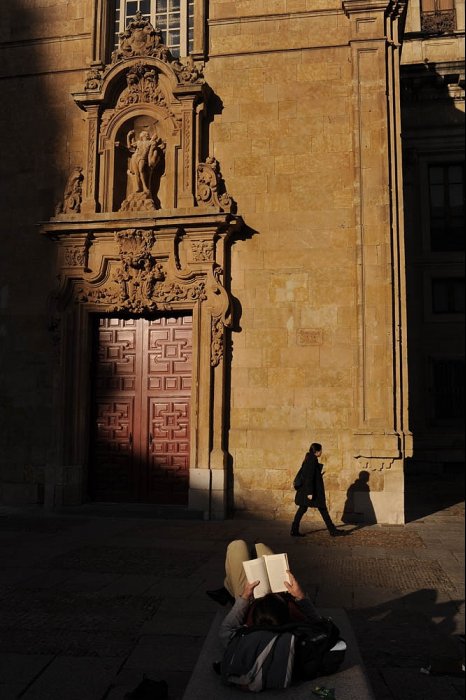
311,494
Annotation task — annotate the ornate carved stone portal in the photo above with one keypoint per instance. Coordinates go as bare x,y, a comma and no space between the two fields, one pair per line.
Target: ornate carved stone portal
142,231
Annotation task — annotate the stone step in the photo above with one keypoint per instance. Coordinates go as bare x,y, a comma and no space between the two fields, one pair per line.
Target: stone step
351,681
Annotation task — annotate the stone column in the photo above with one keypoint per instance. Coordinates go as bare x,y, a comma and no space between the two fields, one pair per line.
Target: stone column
208,481
90,194
379,442
187,154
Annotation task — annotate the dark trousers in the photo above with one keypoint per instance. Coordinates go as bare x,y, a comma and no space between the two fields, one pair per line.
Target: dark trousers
324,513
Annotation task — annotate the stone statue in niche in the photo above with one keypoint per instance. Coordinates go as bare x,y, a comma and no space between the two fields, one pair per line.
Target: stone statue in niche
146,154
146,161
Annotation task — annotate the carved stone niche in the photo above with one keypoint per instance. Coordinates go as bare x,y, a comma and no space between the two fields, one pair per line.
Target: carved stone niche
145,234
144,115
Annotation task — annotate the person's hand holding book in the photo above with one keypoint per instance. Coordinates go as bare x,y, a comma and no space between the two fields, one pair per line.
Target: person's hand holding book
248,591
294,588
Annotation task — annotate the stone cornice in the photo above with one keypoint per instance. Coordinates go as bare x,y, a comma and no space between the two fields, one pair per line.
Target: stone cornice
170,221
272,17
352,7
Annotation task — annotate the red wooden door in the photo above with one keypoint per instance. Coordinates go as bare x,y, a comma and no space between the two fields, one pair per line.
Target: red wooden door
166,407
141,400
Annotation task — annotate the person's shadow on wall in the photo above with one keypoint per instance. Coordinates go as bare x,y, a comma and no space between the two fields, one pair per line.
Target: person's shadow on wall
358,509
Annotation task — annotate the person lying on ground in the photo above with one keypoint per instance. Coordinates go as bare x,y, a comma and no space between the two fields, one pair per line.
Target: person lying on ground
275,640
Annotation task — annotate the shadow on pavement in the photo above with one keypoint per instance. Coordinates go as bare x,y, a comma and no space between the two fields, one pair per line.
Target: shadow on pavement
426,494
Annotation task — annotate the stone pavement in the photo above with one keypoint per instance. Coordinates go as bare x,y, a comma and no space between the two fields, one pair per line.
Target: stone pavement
90,600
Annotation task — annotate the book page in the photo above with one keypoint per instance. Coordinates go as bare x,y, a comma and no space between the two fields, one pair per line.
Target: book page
277,566
255,571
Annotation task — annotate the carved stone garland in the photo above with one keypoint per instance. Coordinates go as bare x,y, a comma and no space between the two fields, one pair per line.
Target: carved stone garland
137,282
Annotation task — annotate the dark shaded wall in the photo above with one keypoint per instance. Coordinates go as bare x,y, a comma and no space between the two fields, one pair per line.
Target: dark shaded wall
433,133
42,53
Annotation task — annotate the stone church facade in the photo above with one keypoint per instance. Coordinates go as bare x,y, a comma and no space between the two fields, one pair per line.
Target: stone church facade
206,259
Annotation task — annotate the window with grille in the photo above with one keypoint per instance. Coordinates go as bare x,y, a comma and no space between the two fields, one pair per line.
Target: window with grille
175,18
438,16
446,200
448,390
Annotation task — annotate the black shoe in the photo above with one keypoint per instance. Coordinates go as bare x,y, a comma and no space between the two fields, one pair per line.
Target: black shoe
253,550
337,533
221,596
296,533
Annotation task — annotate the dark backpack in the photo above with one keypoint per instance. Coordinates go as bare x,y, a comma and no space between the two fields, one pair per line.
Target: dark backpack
314,653
259,656
298,481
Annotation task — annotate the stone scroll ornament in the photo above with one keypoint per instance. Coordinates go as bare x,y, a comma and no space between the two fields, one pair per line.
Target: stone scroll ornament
220,308
211,188
93,79
73,194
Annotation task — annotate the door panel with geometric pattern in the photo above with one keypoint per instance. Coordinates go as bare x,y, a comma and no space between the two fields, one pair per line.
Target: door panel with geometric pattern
141,399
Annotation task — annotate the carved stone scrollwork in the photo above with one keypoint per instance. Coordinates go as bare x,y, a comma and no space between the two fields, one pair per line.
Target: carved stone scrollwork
140,291
104,296
139,271
188,73
74,257
134,248
140,38
93,79
221,315
77,256
211,188
440,22
73,194
203,251
143,87
174,291
219,299
140,282
217,345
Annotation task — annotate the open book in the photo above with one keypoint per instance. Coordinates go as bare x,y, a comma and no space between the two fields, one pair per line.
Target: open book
270,570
